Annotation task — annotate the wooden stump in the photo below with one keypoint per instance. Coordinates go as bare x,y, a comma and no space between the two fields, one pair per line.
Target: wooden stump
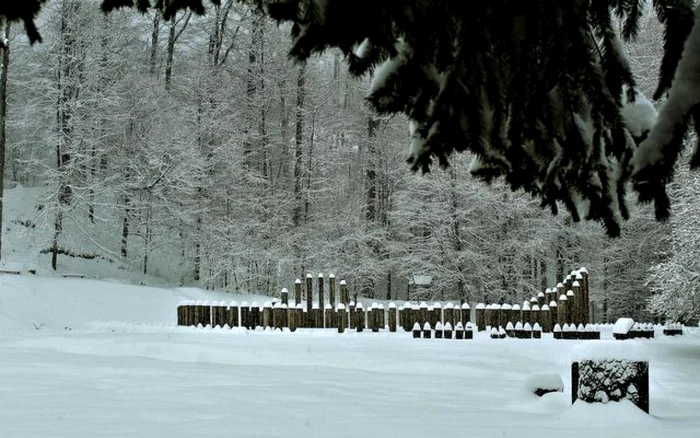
232,314
393,316
541,299
295,315
382,316
480,317
437,314
267,315
284,296
545,319
219,316
254,315
329,317
536,331
527,331
359,317
321,297
495,315
245,315
309,293
344,293
466,313
342,318
570,306
331,291
562,310
316,316
469,331
557,332
506,314
510,330
516,314
601,381
205,314
297,292
448,313
526,314
279,316
181,311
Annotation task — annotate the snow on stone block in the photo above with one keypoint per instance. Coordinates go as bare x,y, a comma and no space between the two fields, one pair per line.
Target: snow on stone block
544,383
605,380
622,328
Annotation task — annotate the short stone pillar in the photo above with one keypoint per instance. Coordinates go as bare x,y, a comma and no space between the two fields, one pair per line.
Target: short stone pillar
438,330
459,330
604,380
284,296
427,331
536,331
510,330
297,292
392,317
416,331
556,331
447,330
480,317
469,331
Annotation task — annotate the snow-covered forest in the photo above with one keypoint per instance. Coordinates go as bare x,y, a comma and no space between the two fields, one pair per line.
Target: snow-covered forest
195,150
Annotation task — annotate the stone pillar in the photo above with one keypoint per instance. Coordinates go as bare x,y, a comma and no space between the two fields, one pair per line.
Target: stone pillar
392,317
309,293
546,319
279,316
284,296
344,293
297,292
505,314
516,313
449,313
570,306
561,312
254,315
342,318
331,290
267,315
321,297
535,315
526,313
466,313
578,311
423,315
541,299
480,317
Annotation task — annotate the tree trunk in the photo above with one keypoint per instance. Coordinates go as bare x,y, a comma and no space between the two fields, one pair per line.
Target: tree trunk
3,119
170,55
298,147
154,43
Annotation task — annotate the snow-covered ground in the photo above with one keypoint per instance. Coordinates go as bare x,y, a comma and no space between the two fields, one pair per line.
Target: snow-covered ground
87,358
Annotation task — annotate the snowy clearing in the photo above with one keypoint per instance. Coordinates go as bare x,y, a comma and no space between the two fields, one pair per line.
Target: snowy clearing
107,360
